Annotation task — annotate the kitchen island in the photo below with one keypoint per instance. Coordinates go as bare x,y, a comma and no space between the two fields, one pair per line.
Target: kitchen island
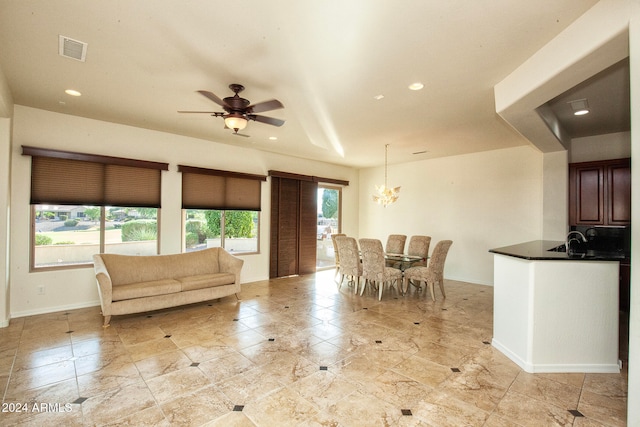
554,311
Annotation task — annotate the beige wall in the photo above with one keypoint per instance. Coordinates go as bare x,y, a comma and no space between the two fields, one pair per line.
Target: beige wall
6,112
480,201
76,288
600,147
5,168
633,402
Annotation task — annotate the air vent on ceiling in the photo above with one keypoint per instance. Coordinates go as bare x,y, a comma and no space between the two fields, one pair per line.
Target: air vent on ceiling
70,48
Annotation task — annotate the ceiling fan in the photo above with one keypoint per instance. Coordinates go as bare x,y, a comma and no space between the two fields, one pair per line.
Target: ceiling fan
238,111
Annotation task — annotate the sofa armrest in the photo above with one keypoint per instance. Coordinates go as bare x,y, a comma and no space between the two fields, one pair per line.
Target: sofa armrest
230,264
104,286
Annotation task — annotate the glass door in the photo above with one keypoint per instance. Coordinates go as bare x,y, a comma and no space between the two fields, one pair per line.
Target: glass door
329,214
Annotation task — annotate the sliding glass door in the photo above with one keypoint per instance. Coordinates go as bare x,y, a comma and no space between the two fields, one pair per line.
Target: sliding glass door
329,215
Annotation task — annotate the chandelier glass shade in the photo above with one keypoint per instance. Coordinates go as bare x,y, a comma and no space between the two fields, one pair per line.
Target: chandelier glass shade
386,195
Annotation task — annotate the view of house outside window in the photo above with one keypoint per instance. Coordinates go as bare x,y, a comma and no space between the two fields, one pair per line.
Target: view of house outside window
236,231
71,235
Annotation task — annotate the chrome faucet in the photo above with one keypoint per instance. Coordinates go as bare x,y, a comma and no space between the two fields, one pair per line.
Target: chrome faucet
569,239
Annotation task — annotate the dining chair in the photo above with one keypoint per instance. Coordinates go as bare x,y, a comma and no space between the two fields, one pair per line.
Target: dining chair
336,253
395,244
374,269
432,274
419,246
350,265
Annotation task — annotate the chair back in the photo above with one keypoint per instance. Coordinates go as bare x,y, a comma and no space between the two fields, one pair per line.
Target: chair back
419,246
373,262
336,253
349,257
436,263
395,244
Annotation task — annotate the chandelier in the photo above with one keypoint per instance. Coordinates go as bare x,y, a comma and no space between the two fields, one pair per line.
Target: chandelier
385,195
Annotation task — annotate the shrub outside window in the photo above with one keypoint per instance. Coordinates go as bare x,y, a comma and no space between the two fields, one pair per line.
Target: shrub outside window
236,231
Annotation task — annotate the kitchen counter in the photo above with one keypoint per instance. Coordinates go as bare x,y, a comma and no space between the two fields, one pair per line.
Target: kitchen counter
553,250
556,312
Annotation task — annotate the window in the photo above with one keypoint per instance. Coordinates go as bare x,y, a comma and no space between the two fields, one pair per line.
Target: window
83,204
236,231
70,235
220,209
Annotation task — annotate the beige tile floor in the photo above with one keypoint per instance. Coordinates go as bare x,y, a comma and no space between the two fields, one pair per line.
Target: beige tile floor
291,352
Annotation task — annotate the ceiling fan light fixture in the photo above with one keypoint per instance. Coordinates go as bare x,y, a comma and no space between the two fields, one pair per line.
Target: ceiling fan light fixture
235,121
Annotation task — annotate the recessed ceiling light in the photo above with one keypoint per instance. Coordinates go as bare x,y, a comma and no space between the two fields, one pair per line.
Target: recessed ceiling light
72,92
378,97
580,107
273,138
416,86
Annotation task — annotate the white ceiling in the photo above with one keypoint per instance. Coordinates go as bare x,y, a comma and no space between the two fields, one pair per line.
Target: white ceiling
324,60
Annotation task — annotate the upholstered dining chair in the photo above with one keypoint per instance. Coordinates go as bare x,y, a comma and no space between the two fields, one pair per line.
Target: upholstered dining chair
419,246
374,269
432,274
395,244
336,253
350,265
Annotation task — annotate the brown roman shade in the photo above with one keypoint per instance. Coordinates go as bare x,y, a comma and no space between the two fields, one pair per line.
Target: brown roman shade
289,175
220,190
68,178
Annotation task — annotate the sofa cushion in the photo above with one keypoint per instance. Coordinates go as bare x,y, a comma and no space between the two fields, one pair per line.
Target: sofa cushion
206,281
145,289
126,269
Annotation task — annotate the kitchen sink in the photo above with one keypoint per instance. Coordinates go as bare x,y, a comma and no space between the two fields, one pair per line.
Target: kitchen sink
589,253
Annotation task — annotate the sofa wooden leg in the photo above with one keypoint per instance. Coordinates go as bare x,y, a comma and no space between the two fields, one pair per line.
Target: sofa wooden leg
107,320
237,297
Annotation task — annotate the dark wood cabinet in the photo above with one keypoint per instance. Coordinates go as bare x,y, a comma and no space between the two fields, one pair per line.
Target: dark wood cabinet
619,193
625,286
600,193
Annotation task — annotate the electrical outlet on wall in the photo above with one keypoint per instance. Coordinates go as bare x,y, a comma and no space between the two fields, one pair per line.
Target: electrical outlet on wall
40,289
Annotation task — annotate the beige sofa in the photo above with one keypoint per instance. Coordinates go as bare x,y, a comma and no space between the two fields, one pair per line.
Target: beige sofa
137,283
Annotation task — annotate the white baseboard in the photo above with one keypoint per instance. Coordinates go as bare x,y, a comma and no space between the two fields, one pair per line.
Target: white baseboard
468,280
47,310
541,368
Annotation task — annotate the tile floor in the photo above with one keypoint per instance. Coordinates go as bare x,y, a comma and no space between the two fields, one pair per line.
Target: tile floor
291,352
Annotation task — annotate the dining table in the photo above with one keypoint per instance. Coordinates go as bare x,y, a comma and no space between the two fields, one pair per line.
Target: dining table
402,261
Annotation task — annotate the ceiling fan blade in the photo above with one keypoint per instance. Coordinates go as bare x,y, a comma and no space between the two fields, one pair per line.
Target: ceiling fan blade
261,107
199,112
267,120
213,98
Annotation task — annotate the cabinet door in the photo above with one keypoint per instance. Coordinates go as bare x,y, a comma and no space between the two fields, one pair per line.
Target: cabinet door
619,194
586,194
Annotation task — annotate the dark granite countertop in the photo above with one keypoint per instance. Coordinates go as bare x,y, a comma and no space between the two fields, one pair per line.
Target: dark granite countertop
543,250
